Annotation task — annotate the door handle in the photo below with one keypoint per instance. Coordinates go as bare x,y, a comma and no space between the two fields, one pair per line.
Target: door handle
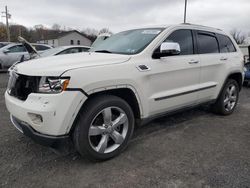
223,58
193,62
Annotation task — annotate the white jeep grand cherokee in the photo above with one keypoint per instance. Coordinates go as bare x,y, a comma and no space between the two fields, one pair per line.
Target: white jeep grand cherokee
94,99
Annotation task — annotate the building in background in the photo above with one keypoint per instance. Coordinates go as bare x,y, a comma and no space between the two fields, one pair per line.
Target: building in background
66,39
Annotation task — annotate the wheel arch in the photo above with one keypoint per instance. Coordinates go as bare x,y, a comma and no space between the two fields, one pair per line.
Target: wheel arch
126,92
237,76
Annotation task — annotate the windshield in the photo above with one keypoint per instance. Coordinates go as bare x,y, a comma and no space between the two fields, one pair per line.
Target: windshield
128,42
51,51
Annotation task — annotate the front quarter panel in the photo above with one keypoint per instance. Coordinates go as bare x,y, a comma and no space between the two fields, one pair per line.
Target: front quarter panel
100,78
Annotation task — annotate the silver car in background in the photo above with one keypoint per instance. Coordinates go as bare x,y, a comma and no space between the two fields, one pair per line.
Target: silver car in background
13,52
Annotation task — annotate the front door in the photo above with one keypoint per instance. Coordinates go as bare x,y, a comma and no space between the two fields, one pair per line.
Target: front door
15,54
173,81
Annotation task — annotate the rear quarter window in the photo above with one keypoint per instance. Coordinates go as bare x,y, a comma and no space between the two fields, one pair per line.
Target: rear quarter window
226,45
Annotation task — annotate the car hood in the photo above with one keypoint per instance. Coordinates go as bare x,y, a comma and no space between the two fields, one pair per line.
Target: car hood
57,65
30,49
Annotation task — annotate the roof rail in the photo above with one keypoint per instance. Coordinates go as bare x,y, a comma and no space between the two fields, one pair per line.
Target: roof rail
200,26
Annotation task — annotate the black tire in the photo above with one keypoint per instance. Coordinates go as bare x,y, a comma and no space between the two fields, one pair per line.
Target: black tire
87,115
219,106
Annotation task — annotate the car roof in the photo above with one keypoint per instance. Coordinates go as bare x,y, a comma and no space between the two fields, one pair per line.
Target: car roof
10,45
73,46
41,44
5,42
184,25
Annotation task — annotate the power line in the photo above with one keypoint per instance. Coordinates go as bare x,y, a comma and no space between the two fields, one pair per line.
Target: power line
7,15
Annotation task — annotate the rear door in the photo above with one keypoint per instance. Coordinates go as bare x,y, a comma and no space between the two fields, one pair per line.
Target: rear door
15,54
213,65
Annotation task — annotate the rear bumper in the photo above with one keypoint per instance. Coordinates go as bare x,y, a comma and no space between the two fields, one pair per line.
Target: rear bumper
46,140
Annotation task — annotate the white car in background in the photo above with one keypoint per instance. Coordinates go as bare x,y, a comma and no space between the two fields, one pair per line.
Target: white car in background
13,52
2,44
64,50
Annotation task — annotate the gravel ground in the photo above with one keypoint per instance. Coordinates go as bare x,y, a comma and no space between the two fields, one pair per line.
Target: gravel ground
191,149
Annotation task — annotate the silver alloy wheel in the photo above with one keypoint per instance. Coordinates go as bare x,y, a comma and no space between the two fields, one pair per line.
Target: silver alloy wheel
108,130
230,98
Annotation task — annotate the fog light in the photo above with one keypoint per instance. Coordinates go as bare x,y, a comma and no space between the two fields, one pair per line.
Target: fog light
36,118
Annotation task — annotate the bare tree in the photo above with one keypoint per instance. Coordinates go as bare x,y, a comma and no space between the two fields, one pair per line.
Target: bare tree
56,27
18,30
105,30
3,33
90,32
39,26
238,36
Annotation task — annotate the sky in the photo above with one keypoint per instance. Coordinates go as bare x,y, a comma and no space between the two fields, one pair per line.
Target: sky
118,15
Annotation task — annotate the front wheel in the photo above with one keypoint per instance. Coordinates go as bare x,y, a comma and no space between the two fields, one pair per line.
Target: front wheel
104,127
228,98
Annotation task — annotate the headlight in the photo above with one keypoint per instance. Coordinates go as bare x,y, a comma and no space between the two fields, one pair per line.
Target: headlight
53,84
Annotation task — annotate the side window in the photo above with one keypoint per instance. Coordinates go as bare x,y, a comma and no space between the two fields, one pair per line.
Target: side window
185,40
72,42
16,49
83,49
41,47
207,44
78,42
226,45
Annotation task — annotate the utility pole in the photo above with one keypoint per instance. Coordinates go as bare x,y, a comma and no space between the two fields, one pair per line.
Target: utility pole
7,16
185,11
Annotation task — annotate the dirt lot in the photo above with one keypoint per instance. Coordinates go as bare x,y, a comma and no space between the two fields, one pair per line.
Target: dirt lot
191,149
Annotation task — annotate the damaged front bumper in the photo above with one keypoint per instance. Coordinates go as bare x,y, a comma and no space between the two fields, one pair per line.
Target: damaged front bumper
47,114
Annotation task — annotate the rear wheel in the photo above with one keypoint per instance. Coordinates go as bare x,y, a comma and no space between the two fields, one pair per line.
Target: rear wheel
228,98
104,127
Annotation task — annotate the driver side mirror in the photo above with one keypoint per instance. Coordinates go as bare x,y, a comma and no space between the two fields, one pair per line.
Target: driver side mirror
6,51
167,49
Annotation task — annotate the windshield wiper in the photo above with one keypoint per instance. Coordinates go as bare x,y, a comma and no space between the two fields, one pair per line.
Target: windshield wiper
103,51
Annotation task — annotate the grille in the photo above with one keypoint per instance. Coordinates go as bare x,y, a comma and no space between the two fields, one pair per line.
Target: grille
20,86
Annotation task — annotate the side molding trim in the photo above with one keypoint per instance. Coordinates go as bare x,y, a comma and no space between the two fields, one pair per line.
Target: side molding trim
183,93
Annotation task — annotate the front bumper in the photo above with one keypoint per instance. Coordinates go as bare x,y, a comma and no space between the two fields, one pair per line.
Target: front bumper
46,140
57,112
